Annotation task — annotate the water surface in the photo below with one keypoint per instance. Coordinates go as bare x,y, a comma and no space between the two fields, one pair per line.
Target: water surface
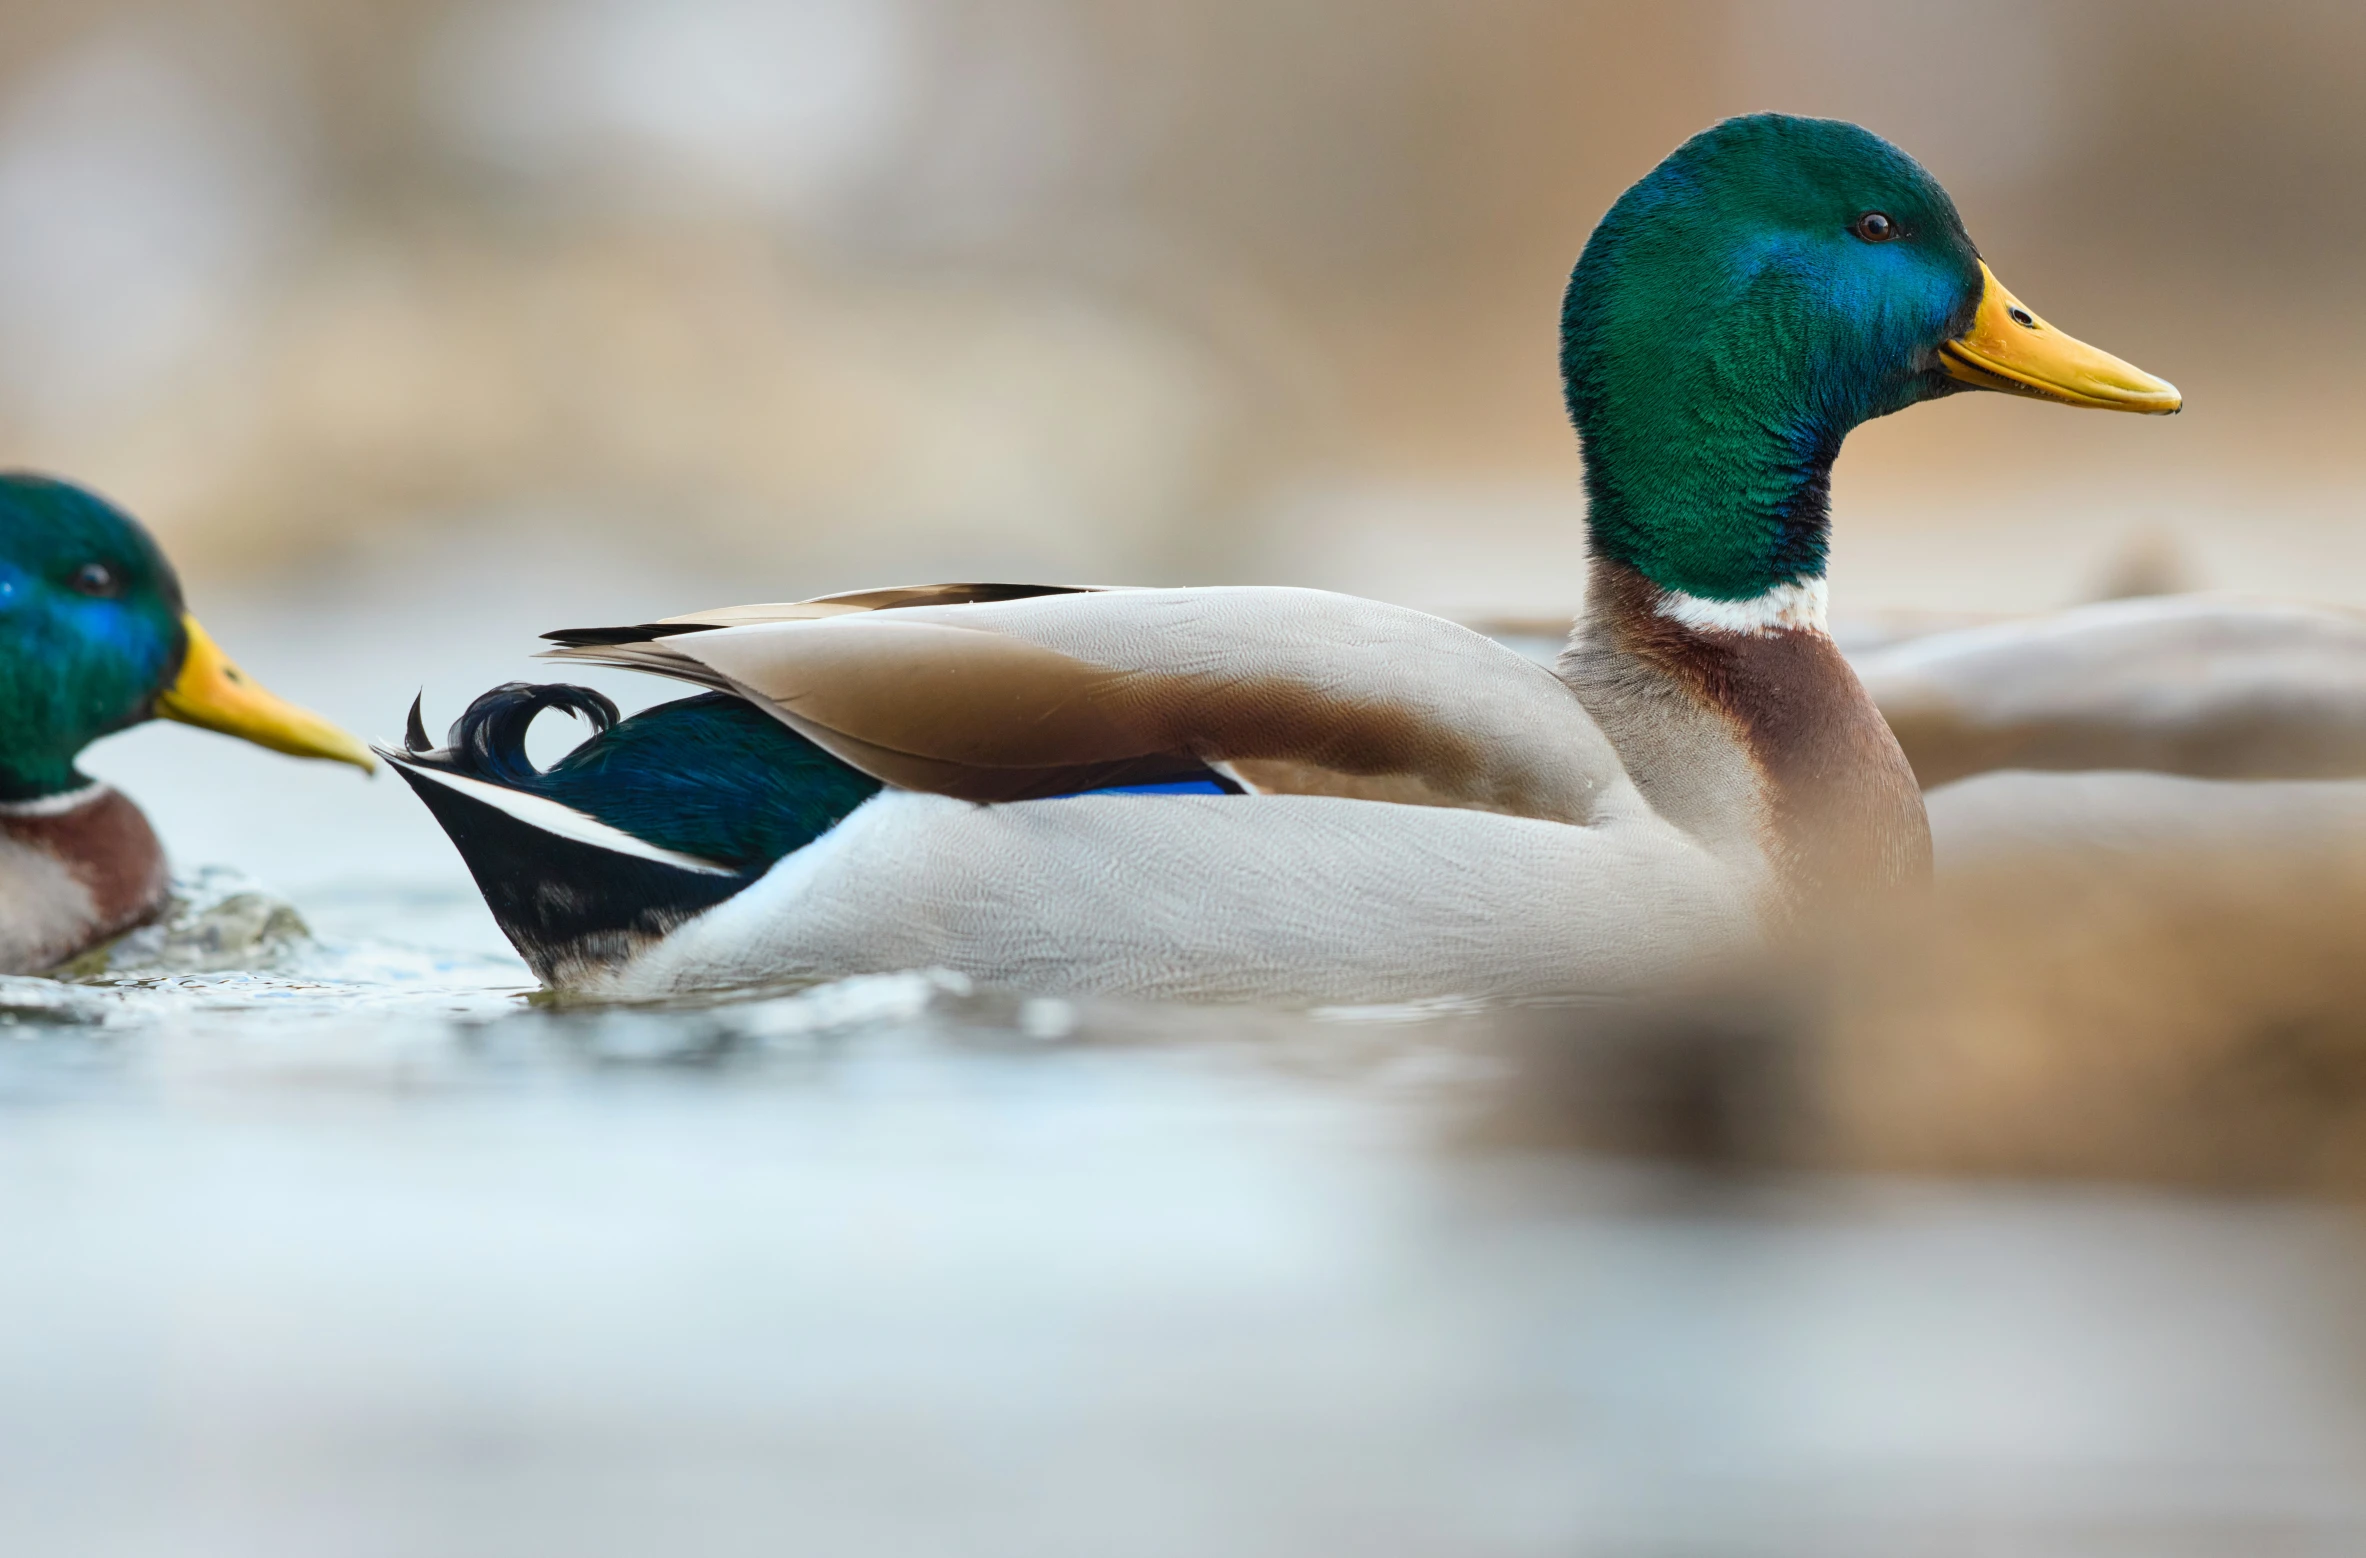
360,1250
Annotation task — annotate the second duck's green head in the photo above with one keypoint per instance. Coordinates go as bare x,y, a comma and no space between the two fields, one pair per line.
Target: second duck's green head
93,638
1773,283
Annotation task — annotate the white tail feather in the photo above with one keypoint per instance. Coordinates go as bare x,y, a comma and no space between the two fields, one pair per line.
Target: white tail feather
549,816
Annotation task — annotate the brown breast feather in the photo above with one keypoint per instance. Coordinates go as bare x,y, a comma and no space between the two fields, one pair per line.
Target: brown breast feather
108,847
1845,809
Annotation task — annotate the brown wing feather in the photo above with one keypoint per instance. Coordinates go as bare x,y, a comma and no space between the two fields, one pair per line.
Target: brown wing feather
1301,691
960,694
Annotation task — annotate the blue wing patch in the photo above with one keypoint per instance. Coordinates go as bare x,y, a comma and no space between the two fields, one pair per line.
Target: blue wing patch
1210,784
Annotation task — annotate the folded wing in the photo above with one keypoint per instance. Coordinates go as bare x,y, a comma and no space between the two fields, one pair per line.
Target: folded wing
1013,692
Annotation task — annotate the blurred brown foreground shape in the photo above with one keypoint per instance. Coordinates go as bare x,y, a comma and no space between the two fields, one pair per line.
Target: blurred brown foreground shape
2193,1015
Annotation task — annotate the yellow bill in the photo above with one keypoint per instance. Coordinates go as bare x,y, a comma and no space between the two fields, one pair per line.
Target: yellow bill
2009,348
213,693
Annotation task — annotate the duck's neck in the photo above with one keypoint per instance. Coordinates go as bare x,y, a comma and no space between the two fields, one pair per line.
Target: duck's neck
76,867
29,778
1710,424
1742,724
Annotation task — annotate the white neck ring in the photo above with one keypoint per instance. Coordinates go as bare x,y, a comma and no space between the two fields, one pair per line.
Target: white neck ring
54,805
1797,607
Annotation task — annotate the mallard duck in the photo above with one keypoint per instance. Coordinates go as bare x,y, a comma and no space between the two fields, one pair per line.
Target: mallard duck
93,639
1286,794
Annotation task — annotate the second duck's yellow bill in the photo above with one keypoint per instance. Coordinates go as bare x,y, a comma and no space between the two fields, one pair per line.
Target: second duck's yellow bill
2009,348
214,693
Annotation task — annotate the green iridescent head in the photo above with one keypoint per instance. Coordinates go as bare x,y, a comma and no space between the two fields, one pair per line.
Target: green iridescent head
94,638
1772,284
90,630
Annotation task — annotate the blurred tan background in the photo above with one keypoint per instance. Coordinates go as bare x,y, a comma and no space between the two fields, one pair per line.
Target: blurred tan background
805,294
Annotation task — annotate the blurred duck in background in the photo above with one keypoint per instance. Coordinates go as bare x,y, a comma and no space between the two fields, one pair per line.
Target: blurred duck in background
2208,686
94,639
1170,792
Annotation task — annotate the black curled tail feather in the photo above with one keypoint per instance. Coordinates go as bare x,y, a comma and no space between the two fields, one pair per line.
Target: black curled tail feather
660,817
488,740
570,908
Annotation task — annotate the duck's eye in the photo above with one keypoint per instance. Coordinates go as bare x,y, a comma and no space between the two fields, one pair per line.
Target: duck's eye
96,580
1875,227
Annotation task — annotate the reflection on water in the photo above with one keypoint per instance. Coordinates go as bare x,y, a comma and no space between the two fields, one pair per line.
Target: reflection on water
369,1254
